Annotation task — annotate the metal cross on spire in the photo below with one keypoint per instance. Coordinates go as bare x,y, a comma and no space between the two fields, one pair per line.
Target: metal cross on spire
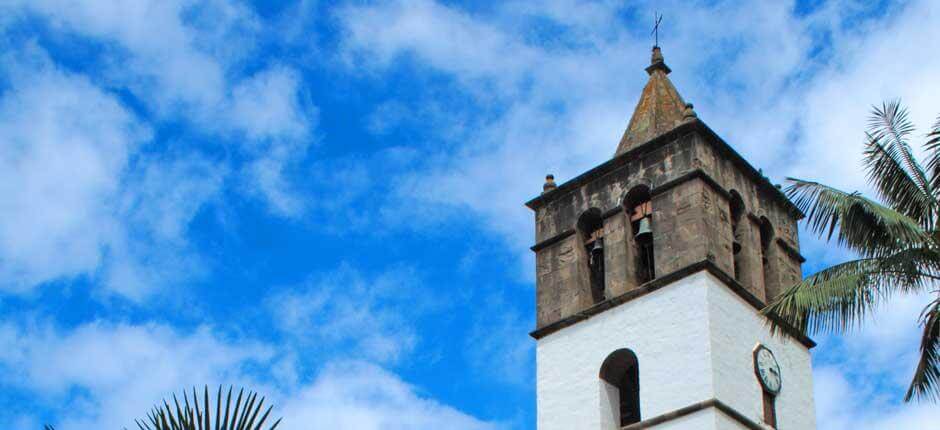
657,19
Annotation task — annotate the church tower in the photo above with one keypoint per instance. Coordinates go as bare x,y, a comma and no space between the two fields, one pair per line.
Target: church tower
651,271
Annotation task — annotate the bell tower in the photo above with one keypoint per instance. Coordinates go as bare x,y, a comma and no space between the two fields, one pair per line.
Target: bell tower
651,272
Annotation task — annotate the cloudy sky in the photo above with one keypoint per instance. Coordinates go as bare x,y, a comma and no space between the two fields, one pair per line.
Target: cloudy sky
323,200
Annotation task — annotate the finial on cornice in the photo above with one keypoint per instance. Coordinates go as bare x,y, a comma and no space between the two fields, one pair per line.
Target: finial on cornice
689,112
549,183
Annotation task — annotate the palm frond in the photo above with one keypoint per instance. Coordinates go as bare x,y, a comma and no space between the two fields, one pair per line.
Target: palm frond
889,127
194,414
855,221
894,183
932,147
892,124
933,136
839,298
926,382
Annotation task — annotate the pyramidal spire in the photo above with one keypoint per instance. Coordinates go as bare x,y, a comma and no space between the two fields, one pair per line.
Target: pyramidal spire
659,110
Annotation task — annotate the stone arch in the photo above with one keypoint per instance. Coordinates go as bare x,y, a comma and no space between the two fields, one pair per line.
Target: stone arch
590,229
638,208
737,211
632,189
766,233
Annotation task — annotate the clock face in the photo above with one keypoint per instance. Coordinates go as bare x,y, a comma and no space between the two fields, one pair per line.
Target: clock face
768,371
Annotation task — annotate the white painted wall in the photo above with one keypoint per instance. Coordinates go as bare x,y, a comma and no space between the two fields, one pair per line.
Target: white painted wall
722,422
704,419
694,342
736,328
710,418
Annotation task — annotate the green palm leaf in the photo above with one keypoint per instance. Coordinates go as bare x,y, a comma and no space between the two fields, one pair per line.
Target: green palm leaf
892,166
932,147
933,137
898,242
891,123
855,221
895,185
839,298
194,414
927,375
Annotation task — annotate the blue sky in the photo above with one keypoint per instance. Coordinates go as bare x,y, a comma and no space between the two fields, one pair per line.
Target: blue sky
323,200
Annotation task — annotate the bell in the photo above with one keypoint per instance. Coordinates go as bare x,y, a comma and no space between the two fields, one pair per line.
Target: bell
643,230
597,253
598,246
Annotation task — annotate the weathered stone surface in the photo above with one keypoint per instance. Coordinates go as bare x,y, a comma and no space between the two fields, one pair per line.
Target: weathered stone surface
659,109
691,174
750,273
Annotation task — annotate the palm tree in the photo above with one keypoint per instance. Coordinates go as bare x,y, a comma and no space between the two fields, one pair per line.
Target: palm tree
897,241
193,415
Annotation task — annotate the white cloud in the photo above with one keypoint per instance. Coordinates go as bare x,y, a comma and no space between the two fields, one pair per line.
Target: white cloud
175,63
160,199
790,91
185,60
497,347
881,60
266,106
564,97
81,199
371,317
66,149
844,404
104,375
557,102
362,396
442,37
860,378
88,197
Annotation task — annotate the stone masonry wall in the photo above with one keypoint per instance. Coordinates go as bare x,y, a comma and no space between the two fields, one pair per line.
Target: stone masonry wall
691,222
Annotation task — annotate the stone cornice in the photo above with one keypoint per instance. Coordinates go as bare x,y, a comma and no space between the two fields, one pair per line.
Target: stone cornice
791,251
688,176
670,137
552,240
681,179
666,280
693,408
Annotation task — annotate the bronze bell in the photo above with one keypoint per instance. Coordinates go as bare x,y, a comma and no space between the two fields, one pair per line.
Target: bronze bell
598,245
597,251
644,229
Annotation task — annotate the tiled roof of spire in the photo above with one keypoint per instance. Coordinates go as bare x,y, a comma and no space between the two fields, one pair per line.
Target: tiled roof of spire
659,110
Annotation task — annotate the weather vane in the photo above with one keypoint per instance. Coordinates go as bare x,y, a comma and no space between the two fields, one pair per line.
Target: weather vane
657,19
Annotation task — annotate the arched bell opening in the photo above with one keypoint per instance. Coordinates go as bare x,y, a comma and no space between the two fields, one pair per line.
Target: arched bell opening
737,210
766,242
639,209
591,230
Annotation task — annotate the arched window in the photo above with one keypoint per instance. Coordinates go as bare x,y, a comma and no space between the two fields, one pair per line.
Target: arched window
737,214
640,211
621,373
591,228
766,239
